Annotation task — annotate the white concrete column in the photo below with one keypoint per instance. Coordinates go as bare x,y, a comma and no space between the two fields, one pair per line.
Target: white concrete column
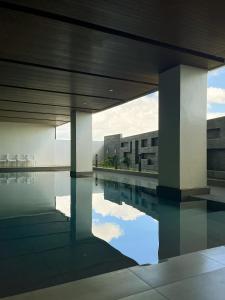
182,228
81,144
81,208
182,132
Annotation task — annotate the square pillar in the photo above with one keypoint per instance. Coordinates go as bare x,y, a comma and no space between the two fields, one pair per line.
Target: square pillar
81,144
182,132
182,227
81,208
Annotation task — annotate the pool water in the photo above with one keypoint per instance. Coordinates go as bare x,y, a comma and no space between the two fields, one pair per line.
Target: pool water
54,229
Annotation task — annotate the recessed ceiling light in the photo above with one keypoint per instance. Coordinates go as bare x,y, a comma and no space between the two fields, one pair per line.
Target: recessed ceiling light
110,90
85,103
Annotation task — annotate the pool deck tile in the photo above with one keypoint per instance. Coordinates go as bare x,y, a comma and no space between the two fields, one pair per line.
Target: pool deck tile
148,295
195,276
110,286
177,268
209,286
218,254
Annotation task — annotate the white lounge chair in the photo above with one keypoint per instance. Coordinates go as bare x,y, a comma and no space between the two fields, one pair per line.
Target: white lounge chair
3,160
3,178
12,178
12,160
21,160
30,160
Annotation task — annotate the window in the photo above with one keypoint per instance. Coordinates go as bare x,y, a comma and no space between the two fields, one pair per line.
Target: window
130,147
150,162
144,143
144,155
213,133
124,144
155,142
136,152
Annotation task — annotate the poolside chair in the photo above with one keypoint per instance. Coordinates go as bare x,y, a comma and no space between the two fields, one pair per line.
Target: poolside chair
12,160
21,178
30,160
12,178
3,178
22,160
3,160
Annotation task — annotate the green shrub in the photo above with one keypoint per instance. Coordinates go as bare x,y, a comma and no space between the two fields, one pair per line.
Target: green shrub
127,162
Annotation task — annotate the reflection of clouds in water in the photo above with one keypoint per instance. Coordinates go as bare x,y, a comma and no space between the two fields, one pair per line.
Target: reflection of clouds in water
63,204
106,231
108,208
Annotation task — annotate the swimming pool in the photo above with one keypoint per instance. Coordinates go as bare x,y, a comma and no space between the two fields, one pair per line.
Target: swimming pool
55,229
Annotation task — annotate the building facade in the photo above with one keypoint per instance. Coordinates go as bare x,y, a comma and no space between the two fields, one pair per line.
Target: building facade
142,149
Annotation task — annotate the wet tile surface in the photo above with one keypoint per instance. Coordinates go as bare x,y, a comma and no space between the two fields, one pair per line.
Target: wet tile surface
218,254
148,295
176,269
198,282
108,286
208,286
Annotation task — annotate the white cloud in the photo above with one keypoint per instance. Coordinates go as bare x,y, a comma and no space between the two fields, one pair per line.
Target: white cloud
216,95
63,204
217,72
212,115
137,116
134,117
107,231
141,115
108,208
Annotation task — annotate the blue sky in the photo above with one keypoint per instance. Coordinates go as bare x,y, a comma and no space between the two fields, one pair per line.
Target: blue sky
122,226
141,115
216,79
127,229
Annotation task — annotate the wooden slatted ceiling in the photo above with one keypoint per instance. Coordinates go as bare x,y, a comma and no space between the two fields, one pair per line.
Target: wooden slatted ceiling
92,55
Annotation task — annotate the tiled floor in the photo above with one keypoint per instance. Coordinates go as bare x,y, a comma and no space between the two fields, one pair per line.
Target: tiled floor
175,269
196,276
208,286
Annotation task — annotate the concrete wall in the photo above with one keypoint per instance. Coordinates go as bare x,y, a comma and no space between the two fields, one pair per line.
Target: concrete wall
98,148
62,152
39,140
132,147
141,145
28,138
111,145
216,144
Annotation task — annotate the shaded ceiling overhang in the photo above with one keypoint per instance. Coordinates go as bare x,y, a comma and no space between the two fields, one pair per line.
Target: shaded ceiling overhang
58,56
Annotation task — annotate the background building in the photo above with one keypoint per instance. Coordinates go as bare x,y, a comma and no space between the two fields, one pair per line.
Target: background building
145,147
